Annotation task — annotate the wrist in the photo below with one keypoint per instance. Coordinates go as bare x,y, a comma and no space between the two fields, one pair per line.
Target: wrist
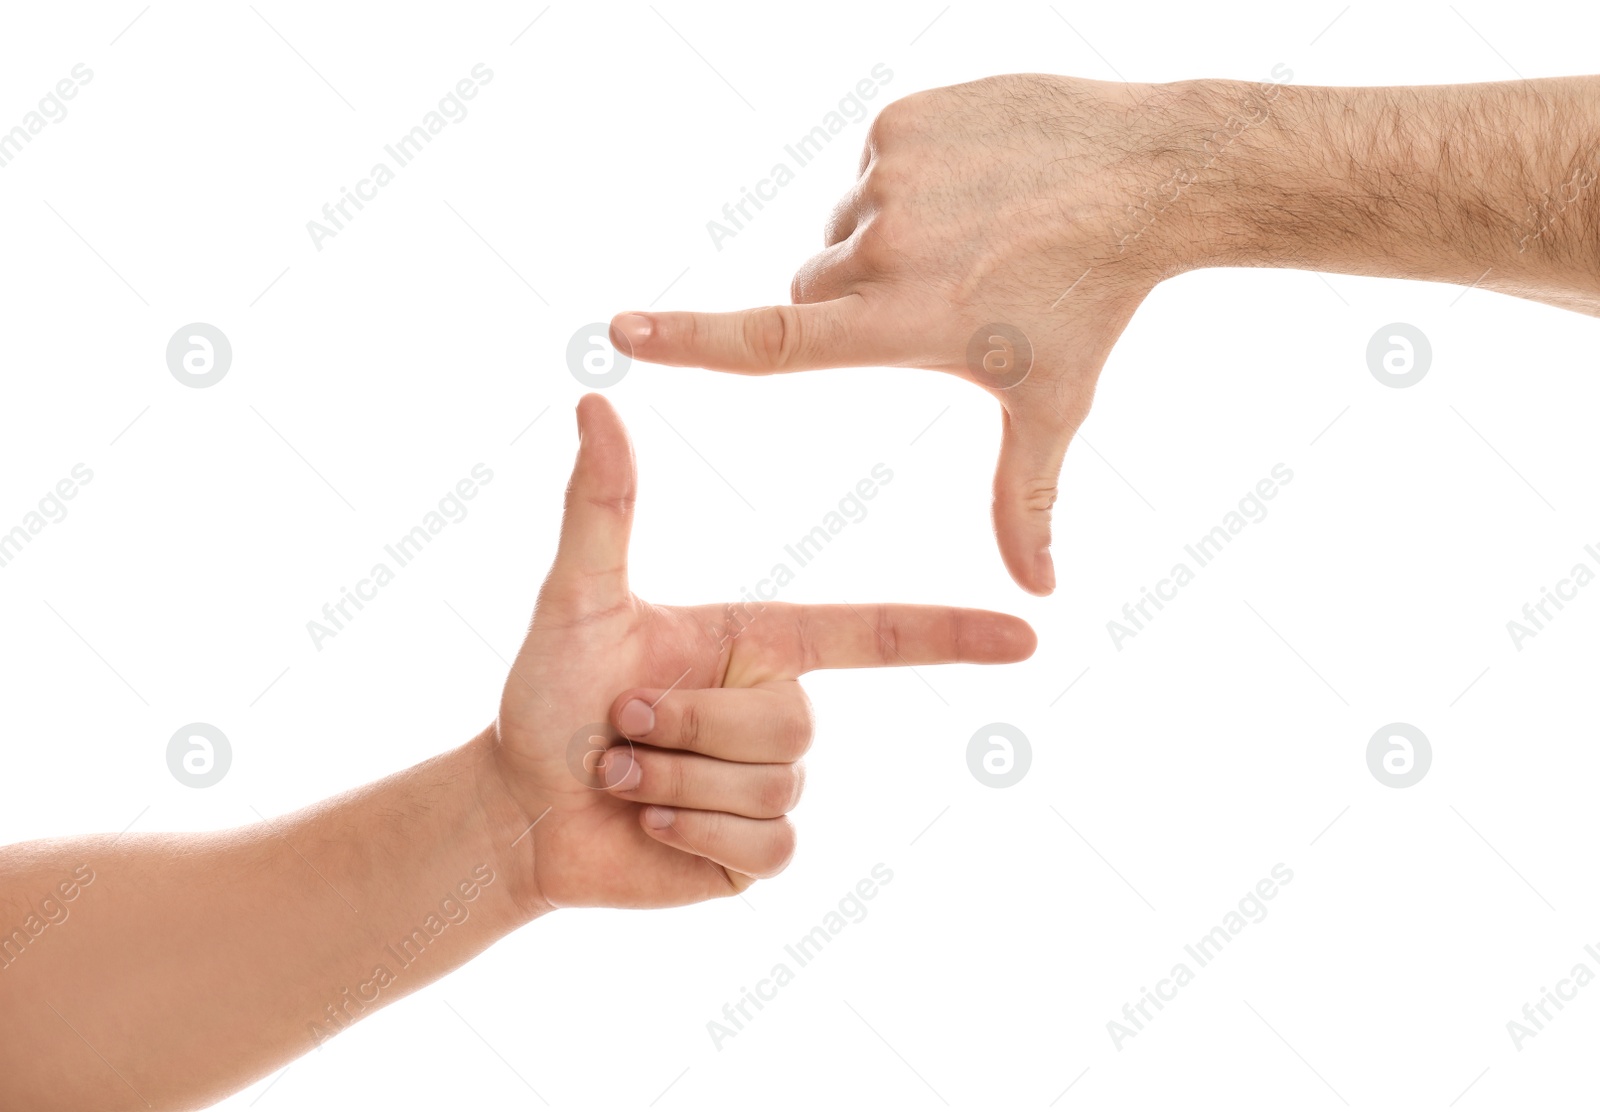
1217,172
505,825
1178,194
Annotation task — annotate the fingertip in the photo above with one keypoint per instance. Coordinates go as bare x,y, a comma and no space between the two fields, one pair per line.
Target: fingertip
1036,576
634,716
1034,586
788,844
1006,639
1044,571
657,820
1026,481
604,440
619,771
631,331
600,496
1020,638
596,415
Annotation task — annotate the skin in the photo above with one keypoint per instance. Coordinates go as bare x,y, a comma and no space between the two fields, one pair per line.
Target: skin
169,970
1054,205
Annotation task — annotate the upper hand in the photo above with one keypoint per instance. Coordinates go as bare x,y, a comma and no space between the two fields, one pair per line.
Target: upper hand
1025,201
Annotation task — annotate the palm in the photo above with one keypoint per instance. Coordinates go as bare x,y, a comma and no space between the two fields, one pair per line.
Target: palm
589,649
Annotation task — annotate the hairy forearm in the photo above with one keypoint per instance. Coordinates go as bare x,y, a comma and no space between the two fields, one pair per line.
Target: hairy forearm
173,969
1495,185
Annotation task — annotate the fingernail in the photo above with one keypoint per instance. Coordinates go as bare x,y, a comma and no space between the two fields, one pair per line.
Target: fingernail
636,718
629,332
659,818
1044,570
621,771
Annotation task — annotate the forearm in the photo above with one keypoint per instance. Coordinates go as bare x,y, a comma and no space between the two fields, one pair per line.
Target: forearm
174,969
1491,184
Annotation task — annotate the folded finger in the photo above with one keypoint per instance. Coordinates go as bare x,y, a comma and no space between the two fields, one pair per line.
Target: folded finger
754,847
767,722
687,780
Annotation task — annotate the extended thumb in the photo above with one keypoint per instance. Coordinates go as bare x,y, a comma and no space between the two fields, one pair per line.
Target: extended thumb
1025,481
599,509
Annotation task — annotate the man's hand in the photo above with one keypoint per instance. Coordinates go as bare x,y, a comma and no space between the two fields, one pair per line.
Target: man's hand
692,806
316,919
1006,230
978,205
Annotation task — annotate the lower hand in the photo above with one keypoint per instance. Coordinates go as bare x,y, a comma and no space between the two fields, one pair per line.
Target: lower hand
654,750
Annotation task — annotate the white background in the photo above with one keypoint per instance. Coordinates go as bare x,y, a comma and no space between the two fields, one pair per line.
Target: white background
1189,763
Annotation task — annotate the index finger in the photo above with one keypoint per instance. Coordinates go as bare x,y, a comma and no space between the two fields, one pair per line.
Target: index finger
791,639
767,340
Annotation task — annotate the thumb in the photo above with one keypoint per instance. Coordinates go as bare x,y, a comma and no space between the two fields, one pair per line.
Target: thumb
762,341
1031,451
599,508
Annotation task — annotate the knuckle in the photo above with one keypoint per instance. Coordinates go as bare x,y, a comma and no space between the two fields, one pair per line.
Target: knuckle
892,120
696,333
690,724
843,219
796,730
874,189
779,791
875,252
673,786
771,796
836,230
880,130
772,335
885,239
1039,495
795,780
805,641
812,282
884,182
